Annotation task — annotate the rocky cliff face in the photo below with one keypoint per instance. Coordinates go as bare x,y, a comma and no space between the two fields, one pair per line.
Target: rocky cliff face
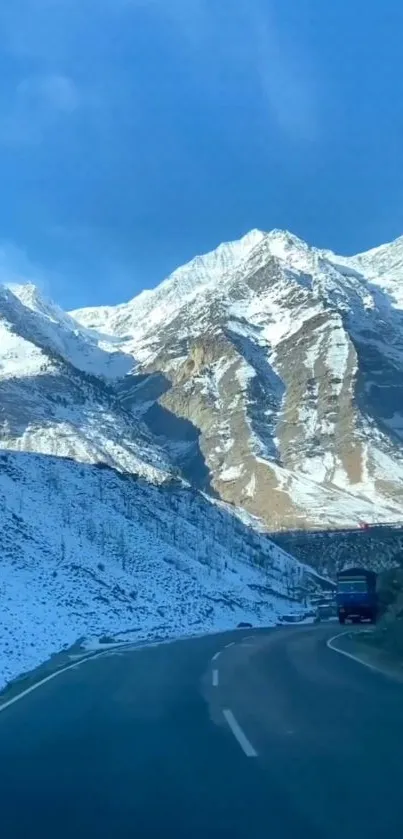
272,372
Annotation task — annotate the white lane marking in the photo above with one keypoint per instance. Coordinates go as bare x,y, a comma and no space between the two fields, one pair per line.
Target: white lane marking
215,656
49,678
215,678
236,729
330,644
36,685
232,644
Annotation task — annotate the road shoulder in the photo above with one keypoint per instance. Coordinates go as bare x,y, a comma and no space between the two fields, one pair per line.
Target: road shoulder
360,646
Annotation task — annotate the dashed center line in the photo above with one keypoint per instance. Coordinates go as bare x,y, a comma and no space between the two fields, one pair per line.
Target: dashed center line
232,644
239,735
215,656
215,678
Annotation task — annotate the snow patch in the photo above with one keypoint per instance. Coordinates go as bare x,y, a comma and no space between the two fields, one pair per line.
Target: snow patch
250,488
232,473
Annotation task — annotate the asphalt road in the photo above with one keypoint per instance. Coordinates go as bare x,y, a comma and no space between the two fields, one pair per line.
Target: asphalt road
276,736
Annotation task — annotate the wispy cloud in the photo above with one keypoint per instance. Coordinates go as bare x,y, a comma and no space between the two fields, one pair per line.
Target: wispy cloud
56,92
245,35
37,104
285,79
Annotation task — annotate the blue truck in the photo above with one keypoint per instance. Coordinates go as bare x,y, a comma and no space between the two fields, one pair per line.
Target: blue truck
356,595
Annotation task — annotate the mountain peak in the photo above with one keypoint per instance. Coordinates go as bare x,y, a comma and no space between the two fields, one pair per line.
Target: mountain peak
211,265
282,242
153,306
30,296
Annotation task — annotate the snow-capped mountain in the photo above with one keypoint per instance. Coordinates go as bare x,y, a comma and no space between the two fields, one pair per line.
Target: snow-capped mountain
286,362
51,401
156,307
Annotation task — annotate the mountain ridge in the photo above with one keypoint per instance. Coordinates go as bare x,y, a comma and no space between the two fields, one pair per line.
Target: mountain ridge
272,340
284,292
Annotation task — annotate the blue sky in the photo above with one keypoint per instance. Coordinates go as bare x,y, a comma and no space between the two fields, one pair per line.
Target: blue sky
137,133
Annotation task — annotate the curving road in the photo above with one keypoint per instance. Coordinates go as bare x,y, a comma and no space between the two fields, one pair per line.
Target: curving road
275,736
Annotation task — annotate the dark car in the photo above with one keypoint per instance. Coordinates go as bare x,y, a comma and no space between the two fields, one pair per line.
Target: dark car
244,625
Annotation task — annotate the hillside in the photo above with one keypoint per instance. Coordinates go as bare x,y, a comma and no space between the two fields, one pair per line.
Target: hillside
86,550
330,551
389,631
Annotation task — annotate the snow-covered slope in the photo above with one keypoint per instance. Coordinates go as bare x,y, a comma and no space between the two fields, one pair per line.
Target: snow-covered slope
43,323
383,266
290,363
50,403
87,551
